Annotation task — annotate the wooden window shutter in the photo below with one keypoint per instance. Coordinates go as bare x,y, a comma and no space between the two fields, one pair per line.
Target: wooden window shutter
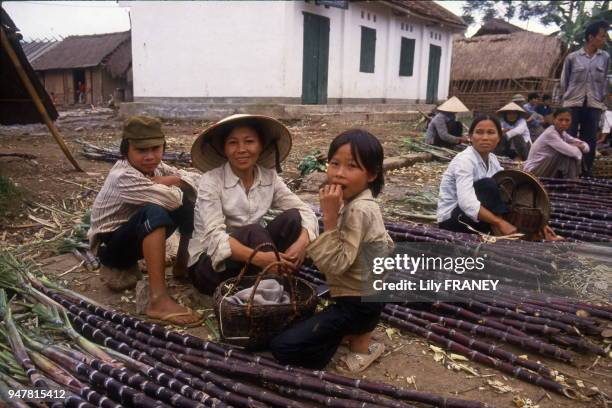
407,57
368,50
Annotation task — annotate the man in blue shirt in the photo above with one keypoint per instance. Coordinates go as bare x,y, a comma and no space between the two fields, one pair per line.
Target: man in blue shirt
545,110
584,87
534,120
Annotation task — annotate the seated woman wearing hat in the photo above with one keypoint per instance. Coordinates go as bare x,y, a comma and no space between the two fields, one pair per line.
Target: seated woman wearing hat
516,140
239,155
555,153
470,200
143,200
444,130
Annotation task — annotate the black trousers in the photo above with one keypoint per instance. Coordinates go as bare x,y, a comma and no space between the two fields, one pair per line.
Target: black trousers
454,128
313,342
283,231
513,147
122,248
585,125
487,192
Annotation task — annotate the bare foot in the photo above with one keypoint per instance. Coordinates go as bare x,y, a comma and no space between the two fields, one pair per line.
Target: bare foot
165,308
360,343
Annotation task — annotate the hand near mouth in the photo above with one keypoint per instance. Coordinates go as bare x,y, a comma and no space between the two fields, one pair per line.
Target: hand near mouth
330,197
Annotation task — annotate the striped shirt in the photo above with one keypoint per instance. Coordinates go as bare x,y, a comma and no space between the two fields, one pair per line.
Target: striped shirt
126,190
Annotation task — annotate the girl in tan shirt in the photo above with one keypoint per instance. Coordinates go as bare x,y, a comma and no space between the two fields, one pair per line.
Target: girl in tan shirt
354,234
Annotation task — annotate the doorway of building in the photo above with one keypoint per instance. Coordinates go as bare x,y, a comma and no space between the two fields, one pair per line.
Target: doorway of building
315,59
433,73
79,86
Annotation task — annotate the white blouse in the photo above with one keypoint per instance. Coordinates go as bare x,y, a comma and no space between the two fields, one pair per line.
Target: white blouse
223,205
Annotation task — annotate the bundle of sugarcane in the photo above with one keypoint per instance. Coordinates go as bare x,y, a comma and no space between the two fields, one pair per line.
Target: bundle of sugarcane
530,321
446,154
580,208
94,152
100,357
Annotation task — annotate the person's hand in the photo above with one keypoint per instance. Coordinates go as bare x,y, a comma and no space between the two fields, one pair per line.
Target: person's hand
505,228
330,197
167,180
580,145
601,137
297,251
263,259
549,234
464,139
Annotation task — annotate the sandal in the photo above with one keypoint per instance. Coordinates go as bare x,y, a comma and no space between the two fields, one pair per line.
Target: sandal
171,318
357,362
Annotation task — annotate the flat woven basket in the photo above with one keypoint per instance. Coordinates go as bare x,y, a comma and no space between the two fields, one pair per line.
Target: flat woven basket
526,198
602,167
253,326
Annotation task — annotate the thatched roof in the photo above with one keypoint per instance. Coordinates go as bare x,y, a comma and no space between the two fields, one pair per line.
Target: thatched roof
81,51
16,104
35,49
506,56
429,10
118,63
497,26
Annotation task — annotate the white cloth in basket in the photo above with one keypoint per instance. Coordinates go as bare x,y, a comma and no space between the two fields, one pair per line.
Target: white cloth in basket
269,292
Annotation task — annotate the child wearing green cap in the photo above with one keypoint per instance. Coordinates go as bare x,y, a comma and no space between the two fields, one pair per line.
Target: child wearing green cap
143,201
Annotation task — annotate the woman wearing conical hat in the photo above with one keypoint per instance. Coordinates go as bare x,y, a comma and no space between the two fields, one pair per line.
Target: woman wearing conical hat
444,129
241,157
516,140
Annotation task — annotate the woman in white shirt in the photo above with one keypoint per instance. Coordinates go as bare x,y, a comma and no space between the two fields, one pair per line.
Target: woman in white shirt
241,158
469,198
516,140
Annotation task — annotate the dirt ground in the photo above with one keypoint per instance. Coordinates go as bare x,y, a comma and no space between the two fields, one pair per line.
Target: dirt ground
55,197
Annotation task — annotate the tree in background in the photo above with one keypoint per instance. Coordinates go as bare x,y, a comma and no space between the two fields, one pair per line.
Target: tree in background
570,16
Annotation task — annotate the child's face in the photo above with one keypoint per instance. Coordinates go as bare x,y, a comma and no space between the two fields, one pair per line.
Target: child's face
563,121
485,136
344,170
145,160
242,148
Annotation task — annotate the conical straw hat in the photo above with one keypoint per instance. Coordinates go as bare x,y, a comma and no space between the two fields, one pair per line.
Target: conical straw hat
207,150
512,107
453,105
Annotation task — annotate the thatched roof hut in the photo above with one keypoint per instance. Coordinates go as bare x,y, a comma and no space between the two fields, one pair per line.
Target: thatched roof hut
85,51
497,26
99,63
487,70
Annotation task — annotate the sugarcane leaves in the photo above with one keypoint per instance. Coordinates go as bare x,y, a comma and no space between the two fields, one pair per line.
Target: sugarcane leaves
48,314
450,361
522,402
3,304
500,387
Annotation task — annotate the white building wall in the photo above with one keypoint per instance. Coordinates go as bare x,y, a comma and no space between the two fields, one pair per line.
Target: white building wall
208,49
221,49
404,87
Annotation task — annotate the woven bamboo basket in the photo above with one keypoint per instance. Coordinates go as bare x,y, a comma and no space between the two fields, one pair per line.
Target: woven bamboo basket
253,326
602,167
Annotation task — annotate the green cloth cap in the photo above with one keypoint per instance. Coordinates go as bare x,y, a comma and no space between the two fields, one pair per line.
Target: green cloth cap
143,132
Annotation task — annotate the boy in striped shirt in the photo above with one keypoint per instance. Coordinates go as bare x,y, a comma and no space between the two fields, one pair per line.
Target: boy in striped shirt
143,201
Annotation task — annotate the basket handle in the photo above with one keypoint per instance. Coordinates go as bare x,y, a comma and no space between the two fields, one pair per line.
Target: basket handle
265,272
257,249
512,192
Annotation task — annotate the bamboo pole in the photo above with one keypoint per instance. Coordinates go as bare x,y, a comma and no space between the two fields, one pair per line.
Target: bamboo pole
35,97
